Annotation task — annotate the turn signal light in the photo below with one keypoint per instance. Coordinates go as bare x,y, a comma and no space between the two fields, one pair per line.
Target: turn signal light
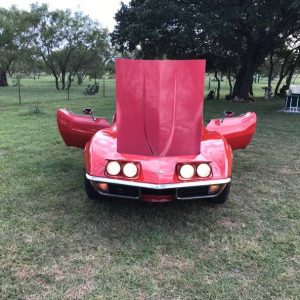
103,186
213,189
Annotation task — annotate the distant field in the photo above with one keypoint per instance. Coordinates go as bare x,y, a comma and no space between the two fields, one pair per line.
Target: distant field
57,244
43,89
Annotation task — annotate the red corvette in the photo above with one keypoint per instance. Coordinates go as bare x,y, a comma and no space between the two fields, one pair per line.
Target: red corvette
157,147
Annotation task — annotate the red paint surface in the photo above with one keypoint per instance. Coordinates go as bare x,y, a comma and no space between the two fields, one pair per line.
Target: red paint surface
159,106
237,131
77,130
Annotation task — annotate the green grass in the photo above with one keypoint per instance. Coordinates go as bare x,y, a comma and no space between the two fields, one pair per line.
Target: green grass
55,243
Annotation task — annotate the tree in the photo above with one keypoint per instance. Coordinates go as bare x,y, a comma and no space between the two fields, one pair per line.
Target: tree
87,60
63,36
261,27
16,31
245,29
288,58
158,29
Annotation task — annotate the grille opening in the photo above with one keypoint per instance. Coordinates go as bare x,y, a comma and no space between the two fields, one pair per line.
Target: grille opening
123,190
192,192
154,192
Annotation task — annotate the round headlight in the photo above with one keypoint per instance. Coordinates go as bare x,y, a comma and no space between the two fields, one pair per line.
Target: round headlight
130,170
187,171
113,168
203,170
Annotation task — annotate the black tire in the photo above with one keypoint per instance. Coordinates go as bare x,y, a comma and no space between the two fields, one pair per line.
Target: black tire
90,191
223,197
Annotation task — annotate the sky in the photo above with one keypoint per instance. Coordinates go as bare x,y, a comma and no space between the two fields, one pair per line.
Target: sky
100,10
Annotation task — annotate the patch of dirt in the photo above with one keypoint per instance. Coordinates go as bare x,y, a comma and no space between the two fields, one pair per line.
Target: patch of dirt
24,272
231,224
175,262
288,171
79,292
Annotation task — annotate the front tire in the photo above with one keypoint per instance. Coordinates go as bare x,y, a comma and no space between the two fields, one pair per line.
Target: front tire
223,197
90,191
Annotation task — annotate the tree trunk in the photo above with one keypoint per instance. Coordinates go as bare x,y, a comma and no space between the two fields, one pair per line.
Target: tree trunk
63,79
218,86
251,89
278,85
290,76
69,81
79,78
3,78
244,80
270,75
282,74
229,82
56,82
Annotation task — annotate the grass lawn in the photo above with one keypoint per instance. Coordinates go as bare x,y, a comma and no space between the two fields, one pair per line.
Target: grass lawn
57,244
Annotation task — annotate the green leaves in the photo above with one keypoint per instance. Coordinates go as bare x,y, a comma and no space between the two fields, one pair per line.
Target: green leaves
235,36
58,37
68,42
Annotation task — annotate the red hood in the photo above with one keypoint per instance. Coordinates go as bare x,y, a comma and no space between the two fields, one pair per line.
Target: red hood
159,106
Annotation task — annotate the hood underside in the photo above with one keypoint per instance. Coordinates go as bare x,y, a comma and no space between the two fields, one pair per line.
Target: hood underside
159,106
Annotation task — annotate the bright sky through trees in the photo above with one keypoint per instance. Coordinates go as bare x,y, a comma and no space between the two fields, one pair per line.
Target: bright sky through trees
100,10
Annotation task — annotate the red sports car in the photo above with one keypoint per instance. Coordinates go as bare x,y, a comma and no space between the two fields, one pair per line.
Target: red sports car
157,147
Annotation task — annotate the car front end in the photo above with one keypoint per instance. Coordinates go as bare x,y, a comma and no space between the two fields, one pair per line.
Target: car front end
158,179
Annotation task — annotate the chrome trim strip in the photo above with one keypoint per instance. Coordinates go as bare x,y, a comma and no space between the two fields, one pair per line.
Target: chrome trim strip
158,186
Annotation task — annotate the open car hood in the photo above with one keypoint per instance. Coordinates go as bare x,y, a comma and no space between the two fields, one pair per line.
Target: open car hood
159,106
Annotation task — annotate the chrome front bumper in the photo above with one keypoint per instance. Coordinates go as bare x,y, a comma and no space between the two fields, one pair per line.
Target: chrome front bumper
160,189
158,186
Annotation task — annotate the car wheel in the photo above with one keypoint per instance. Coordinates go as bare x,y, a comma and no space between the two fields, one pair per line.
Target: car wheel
222,198
90,191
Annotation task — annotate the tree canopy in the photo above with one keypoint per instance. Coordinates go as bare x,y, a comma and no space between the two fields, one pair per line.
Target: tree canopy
16,33
235,36
70,44
67,42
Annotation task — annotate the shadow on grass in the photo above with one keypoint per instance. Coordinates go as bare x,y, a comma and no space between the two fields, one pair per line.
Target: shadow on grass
119,218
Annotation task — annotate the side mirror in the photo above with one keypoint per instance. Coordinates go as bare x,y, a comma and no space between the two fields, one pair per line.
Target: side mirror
87,111
227,114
